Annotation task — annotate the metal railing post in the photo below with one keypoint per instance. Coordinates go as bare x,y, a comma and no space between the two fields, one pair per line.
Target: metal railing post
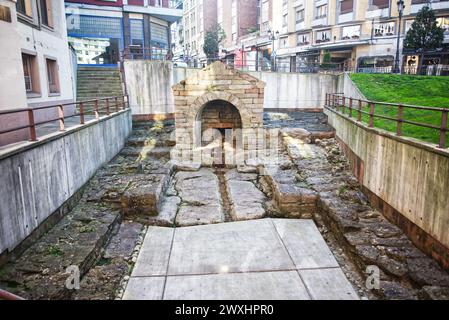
116,103
97,115
61,118
400,118
343,103
81,113
371,114
350,107
359,116
443,129
32,125
107,106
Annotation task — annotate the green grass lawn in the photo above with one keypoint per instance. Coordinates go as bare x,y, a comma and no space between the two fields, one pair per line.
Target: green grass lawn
413,90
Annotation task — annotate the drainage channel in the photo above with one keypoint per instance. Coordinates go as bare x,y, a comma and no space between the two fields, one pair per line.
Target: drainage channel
225,200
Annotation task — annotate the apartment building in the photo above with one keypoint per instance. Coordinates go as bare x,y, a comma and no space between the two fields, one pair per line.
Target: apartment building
297,35
237,19
100,30
355,34
35,62
198,17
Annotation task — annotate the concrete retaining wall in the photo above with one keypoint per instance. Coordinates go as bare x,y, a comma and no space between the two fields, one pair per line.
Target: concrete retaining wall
406,179
149,87
346,86
37,178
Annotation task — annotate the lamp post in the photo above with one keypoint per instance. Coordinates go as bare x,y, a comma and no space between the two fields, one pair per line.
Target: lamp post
401,7
273,36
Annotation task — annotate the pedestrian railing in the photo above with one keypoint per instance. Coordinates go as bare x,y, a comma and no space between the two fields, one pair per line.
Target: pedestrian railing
94,109
425,123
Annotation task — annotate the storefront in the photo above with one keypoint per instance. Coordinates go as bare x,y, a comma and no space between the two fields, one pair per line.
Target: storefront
375,64
434,63
308,61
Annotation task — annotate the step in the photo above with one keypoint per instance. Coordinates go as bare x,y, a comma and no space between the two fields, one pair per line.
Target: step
155,152
142,141
76,240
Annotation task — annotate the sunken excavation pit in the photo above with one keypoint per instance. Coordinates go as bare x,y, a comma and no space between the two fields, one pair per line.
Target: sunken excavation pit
223,159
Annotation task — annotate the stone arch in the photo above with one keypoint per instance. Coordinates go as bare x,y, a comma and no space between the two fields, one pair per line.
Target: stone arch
215,82
197,106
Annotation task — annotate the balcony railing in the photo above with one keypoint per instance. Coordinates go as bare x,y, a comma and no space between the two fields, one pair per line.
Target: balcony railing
150,53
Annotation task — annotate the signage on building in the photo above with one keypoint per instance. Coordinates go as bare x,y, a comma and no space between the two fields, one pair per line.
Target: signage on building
5,14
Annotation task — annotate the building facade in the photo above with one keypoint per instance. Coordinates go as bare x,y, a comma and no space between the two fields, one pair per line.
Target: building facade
300,35
101,31
36,62
199,16
237,19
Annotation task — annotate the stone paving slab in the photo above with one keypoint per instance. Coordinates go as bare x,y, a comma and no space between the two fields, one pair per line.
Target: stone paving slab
283,285
328,284
155,252
240,260
149,288
228,247
307,248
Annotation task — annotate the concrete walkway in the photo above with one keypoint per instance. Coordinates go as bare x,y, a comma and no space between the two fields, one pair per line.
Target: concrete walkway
272,259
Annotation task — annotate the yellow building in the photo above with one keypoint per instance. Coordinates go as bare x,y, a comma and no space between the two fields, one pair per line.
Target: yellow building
355,34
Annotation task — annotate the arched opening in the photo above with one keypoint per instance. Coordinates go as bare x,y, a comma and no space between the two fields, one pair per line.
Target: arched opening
221,126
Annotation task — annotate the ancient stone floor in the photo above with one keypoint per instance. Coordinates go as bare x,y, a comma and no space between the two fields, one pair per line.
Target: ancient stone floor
146,227
275,259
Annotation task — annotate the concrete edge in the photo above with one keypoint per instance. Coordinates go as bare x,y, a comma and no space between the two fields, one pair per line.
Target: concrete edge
16,148
407,140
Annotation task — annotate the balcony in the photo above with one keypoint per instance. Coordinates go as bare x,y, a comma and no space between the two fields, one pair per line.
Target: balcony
374,12
436,5
345,17
320,21
300,25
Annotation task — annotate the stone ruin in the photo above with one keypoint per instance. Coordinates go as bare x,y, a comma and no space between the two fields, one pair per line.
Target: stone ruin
215,111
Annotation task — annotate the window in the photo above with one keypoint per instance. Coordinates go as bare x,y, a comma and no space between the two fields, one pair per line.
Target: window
323,36
321,11
52,76
350,32
303,39
283,42
45,9
384,29
380,4
284,20
24,7
346,6
30,73
299,15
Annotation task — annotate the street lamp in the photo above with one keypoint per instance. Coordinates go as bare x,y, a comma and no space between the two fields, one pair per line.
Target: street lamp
401,7
272,37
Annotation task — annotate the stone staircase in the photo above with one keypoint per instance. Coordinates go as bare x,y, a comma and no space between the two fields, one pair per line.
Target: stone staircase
98,82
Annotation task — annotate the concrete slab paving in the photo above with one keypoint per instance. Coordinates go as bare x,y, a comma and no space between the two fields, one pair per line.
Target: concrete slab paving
149,288
328,284
155,252
307,247
259,259
283,285
228,247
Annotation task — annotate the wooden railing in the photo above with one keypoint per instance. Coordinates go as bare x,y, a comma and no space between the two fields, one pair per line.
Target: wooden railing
81,109
368,111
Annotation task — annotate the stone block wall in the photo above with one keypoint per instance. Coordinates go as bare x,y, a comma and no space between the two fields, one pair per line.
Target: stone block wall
215,83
